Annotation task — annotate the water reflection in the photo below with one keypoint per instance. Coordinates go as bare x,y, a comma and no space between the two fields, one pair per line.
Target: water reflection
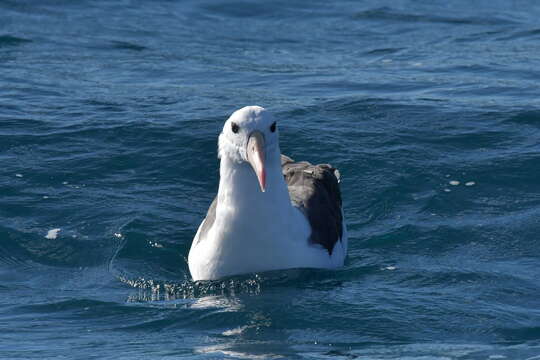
239,318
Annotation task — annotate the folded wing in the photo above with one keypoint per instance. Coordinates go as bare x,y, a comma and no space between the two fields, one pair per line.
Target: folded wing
314,189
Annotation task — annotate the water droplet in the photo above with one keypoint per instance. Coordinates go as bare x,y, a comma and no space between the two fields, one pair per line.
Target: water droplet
454,182
18,175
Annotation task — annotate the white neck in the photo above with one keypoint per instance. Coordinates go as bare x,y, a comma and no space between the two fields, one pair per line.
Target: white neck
239,191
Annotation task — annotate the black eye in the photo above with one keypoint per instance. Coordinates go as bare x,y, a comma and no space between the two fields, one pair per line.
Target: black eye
273,127
235,127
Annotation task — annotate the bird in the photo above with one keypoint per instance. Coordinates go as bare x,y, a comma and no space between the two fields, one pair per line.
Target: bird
270,212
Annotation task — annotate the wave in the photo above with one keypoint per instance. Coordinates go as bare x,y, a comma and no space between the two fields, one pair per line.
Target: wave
389,14
26,247
9,40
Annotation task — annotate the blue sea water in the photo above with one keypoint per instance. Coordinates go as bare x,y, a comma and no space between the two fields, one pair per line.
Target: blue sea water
109,116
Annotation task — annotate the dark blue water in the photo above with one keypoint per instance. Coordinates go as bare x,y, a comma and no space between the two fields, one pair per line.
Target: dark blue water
109,116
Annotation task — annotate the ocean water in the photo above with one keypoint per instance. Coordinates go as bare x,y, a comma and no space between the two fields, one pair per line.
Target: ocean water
109,117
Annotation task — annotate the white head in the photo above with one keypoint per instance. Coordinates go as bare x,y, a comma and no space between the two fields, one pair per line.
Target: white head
250,135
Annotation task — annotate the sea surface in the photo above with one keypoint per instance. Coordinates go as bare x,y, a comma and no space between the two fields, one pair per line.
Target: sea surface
109,117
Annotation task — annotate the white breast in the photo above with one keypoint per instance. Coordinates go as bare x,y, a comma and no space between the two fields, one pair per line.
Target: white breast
255,231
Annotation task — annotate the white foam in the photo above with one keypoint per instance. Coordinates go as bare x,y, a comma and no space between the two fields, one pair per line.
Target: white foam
470,183
18,175
235,331
52,234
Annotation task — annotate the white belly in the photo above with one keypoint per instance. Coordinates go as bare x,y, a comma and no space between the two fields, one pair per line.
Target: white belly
255,244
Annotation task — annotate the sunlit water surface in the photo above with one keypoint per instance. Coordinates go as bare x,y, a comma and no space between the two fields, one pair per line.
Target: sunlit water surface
109,116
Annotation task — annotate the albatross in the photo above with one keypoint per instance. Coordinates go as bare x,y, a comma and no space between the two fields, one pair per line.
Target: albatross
270,212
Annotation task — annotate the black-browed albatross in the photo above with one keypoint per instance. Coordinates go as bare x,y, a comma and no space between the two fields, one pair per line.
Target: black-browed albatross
270,212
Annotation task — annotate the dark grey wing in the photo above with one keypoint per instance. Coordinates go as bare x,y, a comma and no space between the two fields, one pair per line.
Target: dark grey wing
314,189
208,220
